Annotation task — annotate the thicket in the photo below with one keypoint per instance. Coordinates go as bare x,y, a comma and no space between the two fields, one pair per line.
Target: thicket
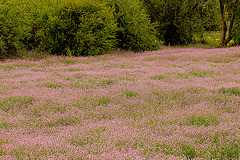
78,28
18,24
177,20
209,14
92,27
236,35
167,15
73,27
135,30
13,27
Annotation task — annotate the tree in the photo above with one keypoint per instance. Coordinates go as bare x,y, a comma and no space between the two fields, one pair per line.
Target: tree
230,8
177,20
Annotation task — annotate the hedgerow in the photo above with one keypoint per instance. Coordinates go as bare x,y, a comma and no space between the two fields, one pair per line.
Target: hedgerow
77,28
13,27
18,24
236,35
135,31
173,23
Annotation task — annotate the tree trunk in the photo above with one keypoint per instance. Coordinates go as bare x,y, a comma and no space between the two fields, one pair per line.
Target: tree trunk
225,41
224,24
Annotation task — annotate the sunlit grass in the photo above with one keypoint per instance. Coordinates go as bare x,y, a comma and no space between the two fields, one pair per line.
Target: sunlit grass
211,38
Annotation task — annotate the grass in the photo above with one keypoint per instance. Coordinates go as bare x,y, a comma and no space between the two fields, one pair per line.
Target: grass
233,90
176,103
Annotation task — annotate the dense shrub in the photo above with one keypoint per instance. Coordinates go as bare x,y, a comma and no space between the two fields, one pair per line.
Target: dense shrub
35,9
135,31
170,19
77,28
13,27
236,35
19,22
178,19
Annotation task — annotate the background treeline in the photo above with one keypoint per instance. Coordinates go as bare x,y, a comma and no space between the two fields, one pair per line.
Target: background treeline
92,27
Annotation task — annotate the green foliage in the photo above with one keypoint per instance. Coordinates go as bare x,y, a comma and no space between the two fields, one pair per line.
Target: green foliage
130,94
198,121
208,15
11,103
88,27
167,15
13,27
77,28
230,11
178,19
160,77
236,34
102,101
188,150
233,90
19,22
135,31
198,73
52,85
35,9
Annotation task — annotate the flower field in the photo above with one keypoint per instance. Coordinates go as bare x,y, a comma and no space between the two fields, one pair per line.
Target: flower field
170,104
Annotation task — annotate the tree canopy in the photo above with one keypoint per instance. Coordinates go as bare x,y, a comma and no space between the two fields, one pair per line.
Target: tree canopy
178,19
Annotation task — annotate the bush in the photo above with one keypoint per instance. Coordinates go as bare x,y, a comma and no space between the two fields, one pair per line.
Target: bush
135,31
236,34
172,28
35,9
18,25
178,19
74,28
77,28
13,28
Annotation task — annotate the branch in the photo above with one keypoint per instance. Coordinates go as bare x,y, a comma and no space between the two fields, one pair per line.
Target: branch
222,9
232,25
205,4
236,25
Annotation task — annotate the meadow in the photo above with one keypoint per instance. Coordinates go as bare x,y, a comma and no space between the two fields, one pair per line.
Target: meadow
175,103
